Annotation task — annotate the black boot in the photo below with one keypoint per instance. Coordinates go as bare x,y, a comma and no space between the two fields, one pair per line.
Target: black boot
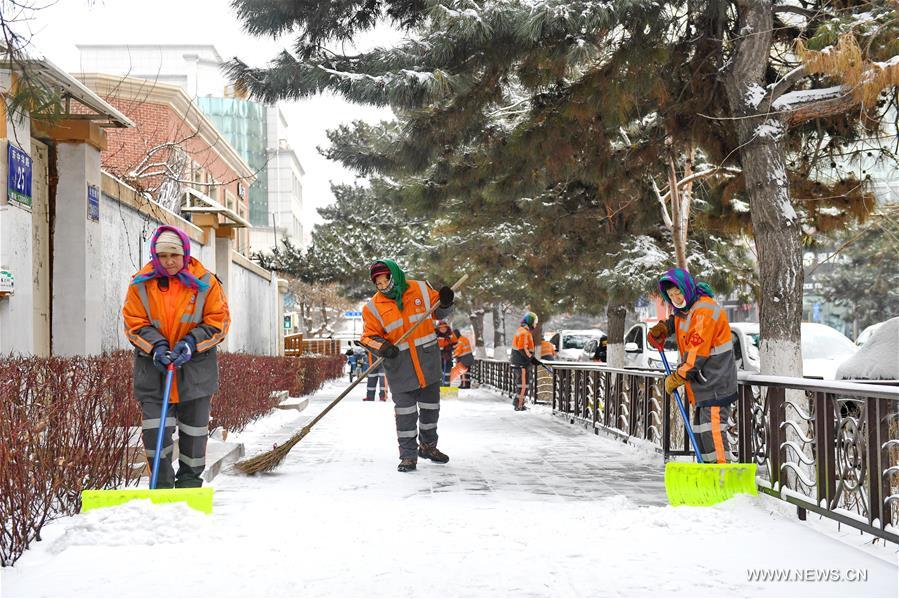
432,453
407,465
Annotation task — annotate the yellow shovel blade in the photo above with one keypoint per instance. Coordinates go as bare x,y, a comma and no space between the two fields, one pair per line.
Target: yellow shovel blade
199,498
449,391
688,483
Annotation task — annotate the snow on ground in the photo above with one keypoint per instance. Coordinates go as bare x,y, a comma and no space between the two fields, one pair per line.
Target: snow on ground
528,506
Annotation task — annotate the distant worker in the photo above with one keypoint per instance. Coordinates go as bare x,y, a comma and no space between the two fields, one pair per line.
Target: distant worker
464,359
446,340
708,369
521,358
376,377
547,350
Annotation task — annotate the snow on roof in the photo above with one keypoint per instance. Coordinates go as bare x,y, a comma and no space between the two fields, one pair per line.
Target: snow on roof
876,359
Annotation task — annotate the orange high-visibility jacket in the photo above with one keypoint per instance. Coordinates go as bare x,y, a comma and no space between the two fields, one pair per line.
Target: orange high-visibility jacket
463,347
522,347
547,349
418,363
153,313
707,353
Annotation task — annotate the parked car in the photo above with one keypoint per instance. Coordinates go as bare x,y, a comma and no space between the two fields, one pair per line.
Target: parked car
878,358
823,348
570,342
865,335
638,353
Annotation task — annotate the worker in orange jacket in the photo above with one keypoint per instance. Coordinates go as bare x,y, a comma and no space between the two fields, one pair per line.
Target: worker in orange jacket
446,341
175,312
464,359
413,366
708,369
547,350
521,358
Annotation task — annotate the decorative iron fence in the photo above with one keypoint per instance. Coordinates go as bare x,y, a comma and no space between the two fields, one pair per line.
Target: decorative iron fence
829,447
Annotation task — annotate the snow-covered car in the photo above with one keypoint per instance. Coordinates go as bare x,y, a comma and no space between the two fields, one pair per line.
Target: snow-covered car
878,358
570,342
823,348
865,335
638,353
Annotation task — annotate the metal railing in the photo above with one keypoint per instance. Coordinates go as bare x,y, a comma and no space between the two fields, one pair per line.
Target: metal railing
829,447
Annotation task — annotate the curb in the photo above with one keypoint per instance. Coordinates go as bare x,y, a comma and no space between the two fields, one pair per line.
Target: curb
231,452
293,403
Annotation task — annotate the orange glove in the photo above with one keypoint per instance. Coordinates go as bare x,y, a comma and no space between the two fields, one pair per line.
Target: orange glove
657,334
673,381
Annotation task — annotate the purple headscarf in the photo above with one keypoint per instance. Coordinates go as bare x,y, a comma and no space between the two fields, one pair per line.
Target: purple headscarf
184,275
688,286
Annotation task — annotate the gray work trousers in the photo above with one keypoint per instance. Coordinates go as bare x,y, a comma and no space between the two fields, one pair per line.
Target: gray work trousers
192,419
710,429
416,412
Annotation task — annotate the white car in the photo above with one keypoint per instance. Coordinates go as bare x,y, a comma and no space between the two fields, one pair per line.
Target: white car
823,348
570,342
865,335
638,353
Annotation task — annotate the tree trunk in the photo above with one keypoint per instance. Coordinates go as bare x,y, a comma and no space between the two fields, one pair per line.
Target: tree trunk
616,313
774,221
476,317
680,215
306,313
499,335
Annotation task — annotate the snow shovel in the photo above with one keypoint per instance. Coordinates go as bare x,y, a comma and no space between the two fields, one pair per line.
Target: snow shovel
268,461
199,498
702,484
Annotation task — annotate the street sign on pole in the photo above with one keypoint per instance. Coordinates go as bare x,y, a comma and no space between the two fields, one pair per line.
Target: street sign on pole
352,313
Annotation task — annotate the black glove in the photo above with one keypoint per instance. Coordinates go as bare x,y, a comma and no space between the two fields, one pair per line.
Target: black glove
162,356
388,350
447,295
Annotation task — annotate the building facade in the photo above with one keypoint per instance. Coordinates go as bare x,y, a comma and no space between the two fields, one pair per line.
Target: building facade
256,131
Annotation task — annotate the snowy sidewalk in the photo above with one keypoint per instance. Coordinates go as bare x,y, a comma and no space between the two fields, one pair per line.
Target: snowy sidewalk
528,506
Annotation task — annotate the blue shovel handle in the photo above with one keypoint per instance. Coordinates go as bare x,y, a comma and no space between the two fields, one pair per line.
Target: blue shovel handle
162,417
683,412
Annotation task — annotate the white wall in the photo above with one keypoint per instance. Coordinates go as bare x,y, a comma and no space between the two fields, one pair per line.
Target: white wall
252,313
16,312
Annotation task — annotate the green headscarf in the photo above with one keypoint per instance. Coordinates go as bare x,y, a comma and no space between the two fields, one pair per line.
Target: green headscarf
399,282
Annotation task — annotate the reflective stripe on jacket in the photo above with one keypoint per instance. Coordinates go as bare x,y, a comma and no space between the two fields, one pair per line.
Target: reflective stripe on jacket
418,363
522,347
706,350
153,313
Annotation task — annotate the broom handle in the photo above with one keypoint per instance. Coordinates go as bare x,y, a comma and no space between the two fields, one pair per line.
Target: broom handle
683,412
378,362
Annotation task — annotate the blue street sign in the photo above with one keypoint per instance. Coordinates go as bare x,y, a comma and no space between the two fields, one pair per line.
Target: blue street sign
93,203
351,313
18,180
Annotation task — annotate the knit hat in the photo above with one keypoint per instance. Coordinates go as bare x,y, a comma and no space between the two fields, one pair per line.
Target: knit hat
377,269
169,242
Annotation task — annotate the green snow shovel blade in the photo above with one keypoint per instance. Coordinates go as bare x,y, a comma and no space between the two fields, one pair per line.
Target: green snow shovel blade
199,498
703,483
706,484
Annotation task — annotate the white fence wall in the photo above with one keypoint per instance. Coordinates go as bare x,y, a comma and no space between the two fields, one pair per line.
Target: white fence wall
253,311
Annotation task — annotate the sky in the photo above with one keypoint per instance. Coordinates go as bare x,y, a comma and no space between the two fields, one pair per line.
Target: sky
57,28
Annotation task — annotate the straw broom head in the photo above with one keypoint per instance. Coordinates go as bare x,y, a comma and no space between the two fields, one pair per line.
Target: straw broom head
268,461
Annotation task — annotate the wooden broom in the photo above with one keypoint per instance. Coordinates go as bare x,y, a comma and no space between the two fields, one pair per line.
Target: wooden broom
268,461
